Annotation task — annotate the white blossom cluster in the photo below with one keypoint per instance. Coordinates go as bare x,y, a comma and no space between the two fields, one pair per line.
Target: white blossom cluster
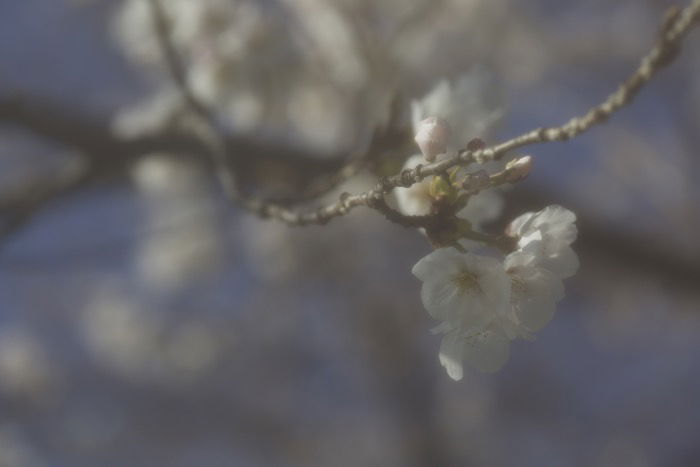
484,301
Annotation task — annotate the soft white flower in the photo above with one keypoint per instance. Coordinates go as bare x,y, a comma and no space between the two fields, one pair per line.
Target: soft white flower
463,289
483,303
548,235
470,294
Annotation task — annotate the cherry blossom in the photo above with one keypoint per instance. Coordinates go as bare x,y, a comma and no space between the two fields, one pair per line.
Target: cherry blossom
463,289
548,234
470,294
485,302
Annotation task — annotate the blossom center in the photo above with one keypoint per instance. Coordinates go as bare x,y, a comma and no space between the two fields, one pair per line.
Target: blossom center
467,282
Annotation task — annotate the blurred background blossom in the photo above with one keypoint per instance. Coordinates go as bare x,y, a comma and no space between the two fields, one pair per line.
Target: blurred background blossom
145,322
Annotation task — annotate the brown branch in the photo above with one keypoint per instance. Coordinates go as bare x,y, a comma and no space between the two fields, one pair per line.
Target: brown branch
632,252
102,155
18,209
92,136
674,29
384,143
107,154
212,137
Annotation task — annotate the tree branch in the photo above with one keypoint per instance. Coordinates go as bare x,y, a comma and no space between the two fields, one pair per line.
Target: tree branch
674,29
107,154
18,209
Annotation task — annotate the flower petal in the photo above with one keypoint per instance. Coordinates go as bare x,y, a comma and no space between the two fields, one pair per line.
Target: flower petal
441,262
441,298
483,207
534,314
486,351
563,262
518,225
451,356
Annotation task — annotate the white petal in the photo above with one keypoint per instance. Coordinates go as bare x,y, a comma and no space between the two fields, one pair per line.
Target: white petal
553,221
557,257
482,208
441,262
563,262
558,222
526,267
530,238
451,356
535,314
442,328
414,200
445,301
474,311
518,259
493,281
467,291
442,299
547,284
535,290
517,226
486,351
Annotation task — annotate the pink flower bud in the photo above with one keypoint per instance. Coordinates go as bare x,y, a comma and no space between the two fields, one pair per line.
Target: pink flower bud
519,168
431,136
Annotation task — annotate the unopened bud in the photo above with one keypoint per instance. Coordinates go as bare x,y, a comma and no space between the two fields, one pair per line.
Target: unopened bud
476,144
431,136
518,169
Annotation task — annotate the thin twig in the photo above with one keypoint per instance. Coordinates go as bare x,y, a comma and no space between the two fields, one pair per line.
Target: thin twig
211,135
675,28
205,124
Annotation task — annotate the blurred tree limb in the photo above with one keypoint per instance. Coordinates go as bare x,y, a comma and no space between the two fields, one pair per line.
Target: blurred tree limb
675,26
103,155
